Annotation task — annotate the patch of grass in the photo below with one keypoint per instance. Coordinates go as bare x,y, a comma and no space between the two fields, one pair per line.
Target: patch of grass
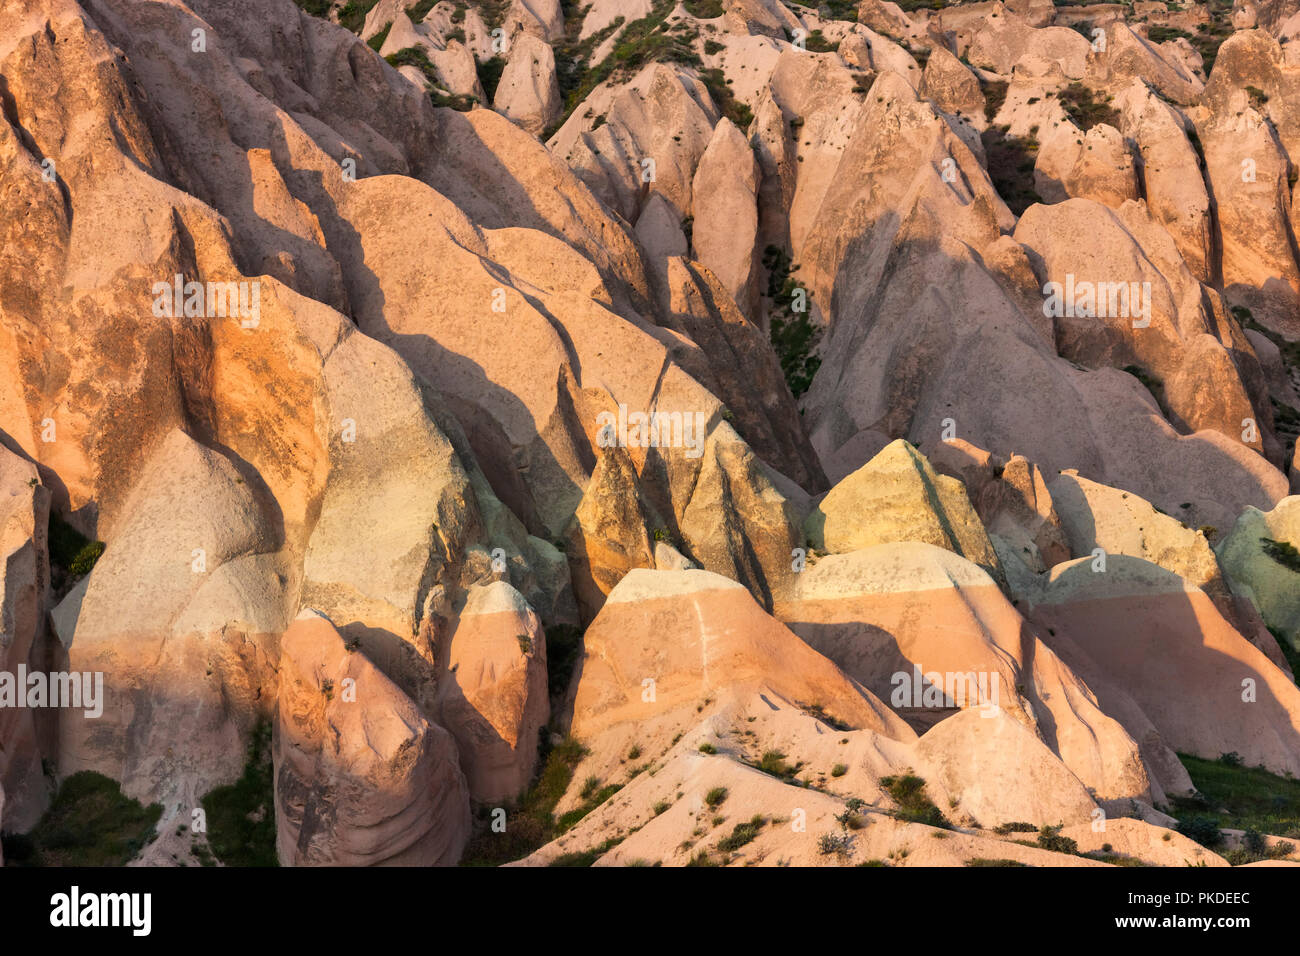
531,823
817,43
990,861
793,335
1084,109
995,94
353,15
730,107
914,805
416,57
1161,34
418,11
716,797
839,770
586,857
1283,552
241,816
708,748
563,651
1011,162
317,8
1241,798
376,42
704,9
89,823
489,75
818,711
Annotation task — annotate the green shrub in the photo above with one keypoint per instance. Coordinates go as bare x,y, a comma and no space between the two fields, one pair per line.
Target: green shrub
1049,838
741,834
914,804
1202,829
70,551
773,762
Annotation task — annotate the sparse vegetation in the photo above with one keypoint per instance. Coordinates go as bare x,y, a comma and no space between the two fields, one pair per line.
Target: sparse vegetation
89,823
489,75
791,331
563,651
72,554
840,844
995,94
1084,109
741,834
376,42
353,14
317,8
1283,552
773,762
416,57
730,107
914,805
531,823
1011,161
818,711
1049,838
1237,797
241,816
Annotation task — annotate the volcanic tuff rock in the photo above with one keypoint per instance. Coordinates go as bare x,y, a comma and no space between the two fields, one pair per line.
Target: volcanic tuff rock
799,248
897,496
24,599
361,777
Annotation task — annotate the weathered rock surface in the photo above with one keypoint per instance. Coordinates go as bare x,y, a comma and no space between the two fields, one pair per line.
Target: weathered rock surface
362,778
898,496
